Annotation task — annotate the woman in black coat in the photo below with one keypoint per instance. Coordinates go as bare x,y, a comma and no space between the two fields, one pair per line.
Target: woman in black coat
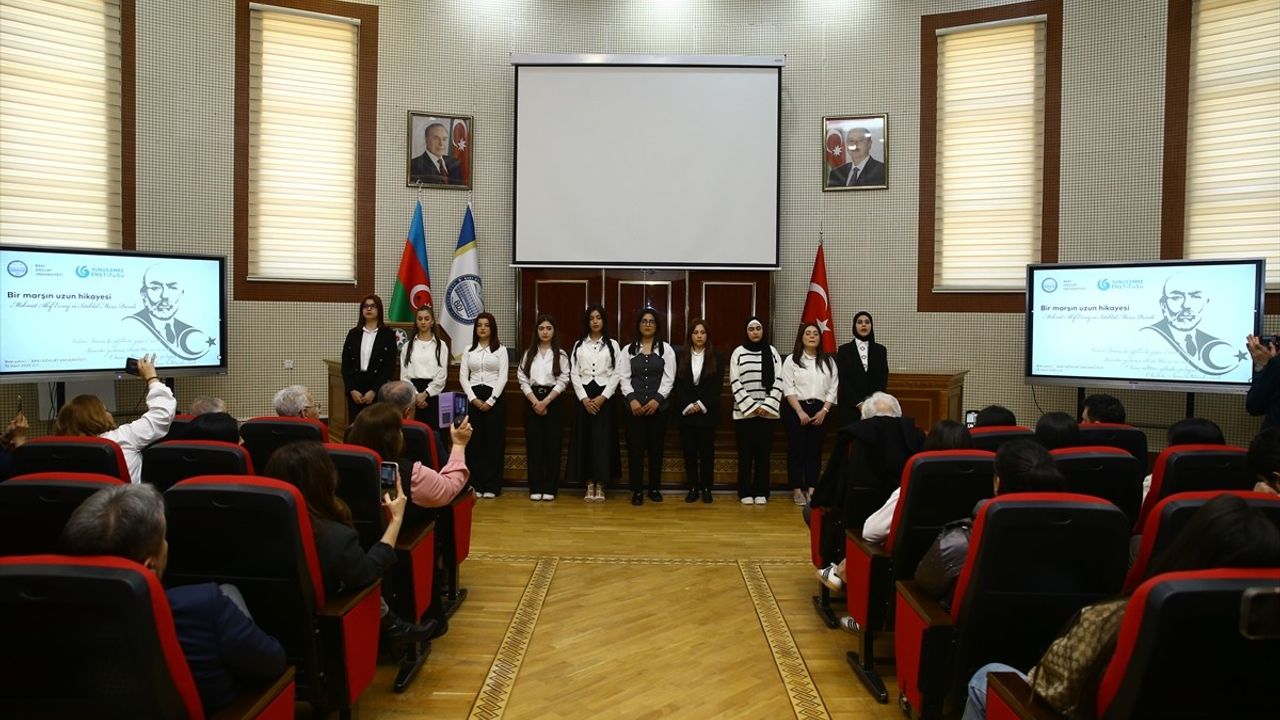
863,367
364,372
696,401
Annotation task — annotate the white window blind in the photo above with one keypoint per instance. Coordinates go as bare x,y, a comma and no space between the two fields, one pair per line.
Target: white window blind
990,120
302,146
60,123
1233,133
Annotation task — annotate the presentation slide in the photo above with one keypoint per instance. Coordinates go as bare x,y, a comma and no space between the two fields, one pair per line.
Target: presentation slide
1174,322
84,312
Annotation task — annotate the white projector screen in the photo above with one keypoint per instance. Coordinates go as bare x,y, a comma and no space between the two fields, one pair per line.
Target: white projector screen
670,166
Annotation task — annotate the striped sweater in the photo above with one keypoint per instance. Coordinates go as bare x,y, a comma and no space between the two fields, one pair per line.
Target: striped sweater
747,383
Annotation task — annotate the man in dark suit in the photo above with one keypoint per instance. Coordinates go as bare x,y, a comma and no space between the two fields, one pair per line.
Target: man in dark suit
862,169
223,647
434,166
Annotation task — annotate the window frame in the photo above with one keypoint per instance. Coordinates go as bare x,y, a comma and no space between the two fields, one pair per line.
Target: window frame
366,160
1177,104
1010,301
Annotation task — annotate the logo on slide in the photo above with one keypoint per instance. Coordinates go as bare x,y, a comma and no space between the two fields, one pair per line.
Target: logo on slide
1104,284
17,268
464,299
1048,285
82,271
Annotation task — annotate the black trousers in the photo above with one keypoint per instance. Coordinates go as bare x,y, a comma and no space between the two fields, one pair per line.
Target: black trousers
699,445
645,437
804,445
485,451
543,434
755,442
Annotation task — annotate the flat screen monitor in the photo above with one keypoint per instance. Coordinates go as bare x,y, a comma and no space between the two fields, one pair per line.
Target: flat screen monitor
74,314
1176,325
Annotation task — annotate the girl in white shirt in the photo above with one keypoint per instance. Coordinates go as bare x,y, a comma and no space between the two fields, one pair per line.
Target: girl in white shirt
756,382
483,376
809,384
593,372
424,361
543,375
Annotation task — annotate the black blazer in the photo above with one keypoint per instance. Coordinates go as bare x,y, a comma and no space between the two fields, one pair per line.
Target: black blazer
707,391
344,565
382,362
855,383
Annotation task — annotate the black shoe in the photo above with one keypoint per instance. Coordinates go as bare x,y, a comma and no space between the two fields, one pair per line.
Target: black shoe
637,498
398,630
692,496
706,495
655,496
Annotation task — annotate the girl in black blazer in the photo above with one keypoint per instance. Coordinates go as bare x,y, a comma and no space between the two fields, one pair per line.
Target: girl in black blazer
863,367
368,357
696,402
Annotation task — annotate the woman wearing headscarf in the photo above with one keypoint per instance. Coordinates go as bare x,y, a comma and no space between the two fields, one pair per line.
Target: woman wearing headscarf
756,380
863,366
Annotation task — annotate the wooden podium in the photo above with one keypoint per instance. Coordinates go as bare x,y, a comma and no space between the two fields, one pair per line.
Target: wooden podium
927,397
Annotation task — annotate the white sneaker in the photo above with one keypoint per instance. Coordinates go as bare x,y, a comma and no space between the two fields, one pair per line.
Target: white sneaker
848,624
535,497
488,495
761,499
548,496
827,576
748,501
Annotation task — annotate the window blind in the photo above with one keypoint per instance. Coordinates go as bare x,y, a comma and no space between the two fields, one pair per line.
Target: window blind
990,128
302,146
60,105
1233,133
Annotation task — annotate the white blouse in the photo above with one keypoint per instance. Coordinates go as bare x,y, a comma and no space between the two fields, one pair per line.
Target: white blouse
541,372
483,366
591,364
423,364
806,381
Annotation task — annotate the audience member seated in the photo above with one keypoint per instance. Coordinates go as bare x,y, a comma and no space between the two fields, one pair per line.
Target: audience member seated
344,565
992,415
379,428
1263,397
296,401
1021,466
1102,408
1057,430
14,436
1225,533
400,394
1191,431
224,648
204,404
212,426
86,416
1264,459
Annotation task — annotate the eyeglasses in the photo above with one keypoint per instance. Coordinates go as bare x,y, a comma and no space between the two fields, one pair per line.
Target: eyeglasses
648,321
369,306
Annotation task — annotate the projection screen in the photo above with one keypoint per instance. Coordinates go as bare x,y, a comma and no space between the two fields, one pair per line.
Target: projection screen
625,161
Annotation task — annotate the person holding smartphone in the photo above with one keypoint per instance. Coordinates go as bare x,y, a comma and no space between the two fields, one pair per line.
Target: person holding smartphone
543,375
483,376
1264,387
381,429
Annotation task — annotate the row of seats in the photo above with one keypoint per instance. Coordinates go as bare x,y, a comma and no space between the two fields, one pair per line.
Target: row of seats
1117,435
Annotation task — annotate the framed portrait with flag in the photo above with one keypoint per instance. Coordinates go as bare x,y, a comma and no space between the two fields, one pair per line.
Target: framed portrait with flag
438,151
854,152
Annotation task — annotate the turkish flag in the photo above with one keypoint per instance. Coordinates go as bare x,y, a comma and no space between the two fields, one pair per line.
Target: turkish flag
835,153
817,306
461,149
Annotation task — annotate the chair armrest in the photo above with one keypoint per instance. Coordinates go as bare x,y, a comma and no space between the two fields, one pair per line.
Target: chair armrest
867,575
340,605
1010,697
253,702
924,606
410,538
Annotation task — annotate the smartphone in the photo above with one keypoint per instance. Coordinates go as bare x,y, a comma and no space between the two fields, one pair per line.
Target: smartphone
460,405
970,418
19,403
1269,341
1260,613
131,366
387,474
453,408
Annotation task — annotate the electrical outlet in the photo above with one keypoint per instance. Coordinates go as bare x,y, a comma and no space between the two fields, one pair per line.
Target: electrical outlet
288,364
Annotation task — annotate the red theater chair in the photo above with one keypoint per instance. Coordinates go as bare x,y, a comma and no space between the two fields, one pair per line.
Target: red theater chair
1188,468
262,435
255,532
178,426
94,637
1104,472
1034,560
35,507
992,437
421,444
453,544
937,487
1173,513
166,463
63,453
1189,646
1117,435
822,601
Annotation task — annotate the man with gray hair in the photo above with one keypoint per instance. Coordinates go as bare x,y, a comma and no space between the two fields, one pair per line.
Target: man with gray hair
204,404
224,648
401,394
296,401
881,404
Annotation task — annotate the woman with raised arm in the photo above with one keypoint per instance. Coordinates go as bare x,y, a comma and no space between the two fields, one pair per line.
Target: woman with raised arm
368,357
543,375
592,370
424,361
696,399
483,376
809,383
756,382
863,366
646,373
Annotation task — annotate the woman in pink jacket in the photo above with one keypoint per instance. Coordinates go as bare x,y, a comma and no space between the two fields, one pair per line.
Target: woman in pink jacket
379,429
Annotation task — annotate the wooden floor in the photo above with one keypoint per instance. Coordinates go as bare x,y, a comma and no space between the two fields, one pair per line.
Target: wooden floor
579,610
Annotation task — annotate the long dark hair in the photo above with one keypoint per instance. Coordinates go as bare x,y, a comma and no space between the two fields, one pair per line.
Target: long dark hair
586,333
377,301
823,361
380,427
306,465
684,358
948,435
635,345
493,332
437,332
532,351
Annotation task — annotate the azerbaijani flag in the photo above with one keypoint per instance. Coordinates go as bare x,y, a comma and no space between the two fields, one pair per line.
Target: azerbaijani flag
413,283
